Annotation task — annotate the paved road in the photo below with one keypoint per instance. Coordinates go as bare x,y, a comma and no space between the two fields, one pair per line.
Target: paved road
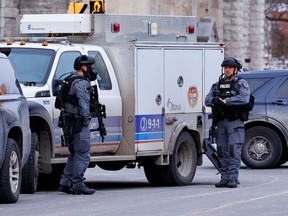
127,193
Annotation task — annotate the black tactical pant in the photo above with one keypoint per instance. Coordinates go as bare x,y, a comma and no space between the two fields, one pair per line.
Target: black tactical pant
78,160
230,136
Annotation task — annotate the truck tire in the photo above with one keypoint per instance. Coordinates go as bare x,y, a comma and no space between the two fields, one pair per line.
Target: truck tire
262,148
51,181
153,173
30,170
10,173
183,162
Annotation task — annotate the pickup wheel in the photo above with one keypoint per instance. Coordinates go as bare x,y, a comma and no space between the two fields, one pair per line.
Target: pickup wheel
51,181
30,170
183,161
262,148
10,173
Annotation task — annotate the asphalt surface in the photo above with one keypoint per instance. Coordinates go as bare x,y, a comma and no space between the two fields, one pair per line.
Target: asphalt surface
127,192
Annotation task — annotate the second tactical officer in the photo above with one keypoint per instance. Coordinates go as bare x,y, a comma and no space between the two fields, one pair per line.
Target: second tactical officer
76,104
227,98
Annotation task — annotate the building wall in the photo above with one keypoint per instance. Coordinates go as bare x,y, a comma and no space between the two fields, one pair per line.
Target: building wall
243,31
240,23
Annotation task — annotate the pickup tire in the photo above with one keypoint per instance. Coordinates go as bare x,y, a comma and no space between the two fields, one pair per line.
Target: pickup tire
262,148
183,162
10,173
51,181
30,170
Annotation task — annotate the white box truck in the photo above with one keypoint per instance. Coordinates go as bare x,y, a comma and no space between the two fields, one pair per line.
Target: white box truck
153,76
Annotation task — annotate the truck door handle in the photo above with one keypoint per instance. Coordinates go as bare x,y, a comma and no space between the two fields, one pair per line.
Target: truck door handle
158,99
279,102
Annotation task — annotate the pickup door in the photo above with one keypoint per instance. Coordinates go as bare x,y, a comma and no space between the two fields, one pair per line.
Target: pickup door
109,95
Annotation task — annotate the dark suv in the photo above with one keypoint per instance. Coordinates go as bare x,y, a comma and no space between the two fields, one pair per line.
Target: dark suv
15,137
267,128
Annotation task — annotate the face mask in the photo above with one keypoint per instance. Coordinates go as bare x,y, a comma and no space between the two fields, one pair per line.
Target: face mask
91,73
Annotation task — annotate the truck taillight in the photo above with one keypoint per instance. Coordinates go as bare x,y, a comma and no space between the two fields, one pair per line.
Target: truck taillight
115,27
190,29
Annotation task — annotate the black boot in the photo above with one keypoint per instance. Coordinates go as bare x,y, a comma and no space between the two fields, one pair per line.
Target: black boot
222,183
65,189
83,190
232,184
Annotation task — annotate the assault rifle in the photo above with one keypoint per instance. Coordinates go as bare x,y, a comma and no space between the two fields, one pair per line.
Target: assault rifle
209,149
97,110
63,120
64,123
216,113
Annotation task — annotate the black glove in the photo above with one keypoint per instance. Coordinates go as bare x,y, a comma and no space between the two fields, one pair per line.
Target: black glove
216,100
86,121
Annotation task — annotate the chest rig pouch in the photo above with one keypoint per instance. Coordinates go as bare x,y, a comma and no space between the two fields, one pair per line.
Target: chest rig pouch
228,89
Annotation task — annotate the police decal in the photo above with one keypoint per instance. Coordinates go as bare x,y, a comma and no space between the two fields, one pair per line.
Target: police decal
192,96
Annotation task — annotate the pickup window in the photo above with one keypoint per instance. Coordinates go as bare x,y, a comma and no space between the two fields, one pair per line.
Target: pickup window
66,64
32,66
103,77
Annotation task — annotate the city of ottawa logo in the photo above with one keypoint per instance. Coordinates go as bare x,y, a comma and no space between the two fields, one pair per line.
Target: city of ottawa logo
192,96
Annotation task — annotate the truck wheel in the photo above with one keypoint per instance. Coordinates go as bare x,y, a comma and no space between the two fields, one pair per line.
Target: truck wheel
51,181
10,173
262,148
183,161
30,170
153,173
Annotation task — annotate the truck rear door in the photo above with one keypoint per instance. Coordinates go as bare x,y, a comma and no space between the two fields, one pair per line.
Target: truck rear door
183,80
212,71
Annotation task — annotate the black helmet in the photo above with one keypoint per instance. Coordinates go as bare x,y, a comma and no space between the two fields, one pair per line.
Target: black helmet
83,60
231,62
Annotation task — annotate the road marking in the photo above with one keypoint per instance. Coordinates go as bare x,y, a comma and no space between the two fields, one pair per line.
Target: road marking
237,203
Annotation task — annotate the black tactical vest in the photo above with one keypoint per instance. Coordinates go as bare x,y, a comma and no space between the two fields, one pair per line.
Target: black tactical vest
63,98
228,89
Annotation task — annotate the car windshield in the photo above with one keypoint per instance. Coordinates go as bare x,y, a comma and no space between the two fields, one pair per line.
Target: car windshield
31,66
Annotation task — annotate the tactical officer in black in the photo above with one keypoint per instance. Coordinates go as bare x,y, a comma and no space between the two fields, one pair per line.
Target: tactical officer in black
76,106
227,98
